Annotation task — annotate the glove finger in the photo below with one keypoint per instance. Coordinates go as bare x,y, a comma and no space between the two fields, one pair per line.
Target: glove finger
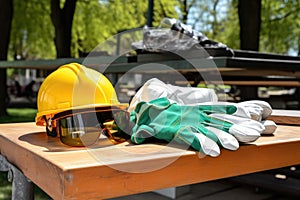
246,122
185,135
224,108
254,110
244,134
242,112
270,127
208,146
245,130
198,141
265,106
226,140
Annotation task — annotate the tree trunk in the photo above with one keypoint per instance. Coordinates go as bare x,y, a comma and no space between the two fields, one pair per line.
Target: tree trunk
184,11
62,19
249,12
299,47
6,13
150,13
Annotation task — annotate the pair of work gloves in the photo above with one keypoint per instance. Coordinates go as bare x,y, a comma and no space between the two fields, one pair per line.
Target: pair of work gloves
195,117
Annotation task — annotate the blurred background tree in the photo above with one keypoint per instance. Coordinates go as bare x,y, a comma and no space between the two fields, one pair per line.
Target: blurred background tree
280,27
219,20
94,21
32,32
249,13
62,13
37,25
6,14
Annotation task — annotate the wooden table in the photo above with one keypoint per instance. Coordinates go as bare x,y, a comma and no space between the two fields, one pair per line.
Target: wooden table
106,171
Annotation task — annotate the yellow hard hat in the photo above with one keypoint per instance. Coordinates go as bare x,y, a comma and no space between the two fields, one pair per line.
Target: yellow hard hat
73,86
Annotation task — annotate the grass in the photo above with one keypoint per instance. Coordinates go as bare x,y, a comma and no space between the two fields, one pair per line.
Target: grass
5,187
16,115
19,115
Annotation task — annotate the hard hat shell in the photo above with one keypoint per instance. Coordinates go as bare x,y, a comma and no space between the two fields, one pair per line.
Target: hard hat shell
73,86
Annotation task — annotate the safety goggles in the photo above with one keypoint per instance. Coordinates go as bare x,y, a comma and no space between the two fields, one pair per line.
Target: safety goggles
84,127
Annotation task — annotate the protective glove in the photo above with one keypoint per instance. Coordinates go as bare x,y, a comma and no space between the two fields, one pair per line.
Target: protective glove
254,109
260,111
191,125
154,88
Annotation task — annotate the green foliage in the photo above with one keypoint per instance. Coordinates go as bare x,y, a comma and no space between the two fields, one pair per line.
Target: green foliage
10,72
89,28
5,186
124,15
164,8
280,31
32,32
229,27
19,115
218,20
96,21
6,189
280,22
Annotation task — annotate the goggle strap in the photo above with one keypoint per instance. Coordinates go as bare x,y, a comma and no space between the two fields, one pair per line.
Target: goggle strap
107,132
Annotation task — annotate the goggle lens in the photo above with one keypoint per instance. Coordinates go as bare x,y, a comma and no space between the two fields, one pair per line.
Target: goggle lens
84,129
77,130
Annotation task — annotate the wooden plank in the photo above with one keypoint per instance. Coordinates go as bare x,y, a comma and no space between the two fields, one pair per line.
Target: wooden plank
121,64
255,63
110,171
262,72
291,117
256,83
34,167
262,55
50,64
